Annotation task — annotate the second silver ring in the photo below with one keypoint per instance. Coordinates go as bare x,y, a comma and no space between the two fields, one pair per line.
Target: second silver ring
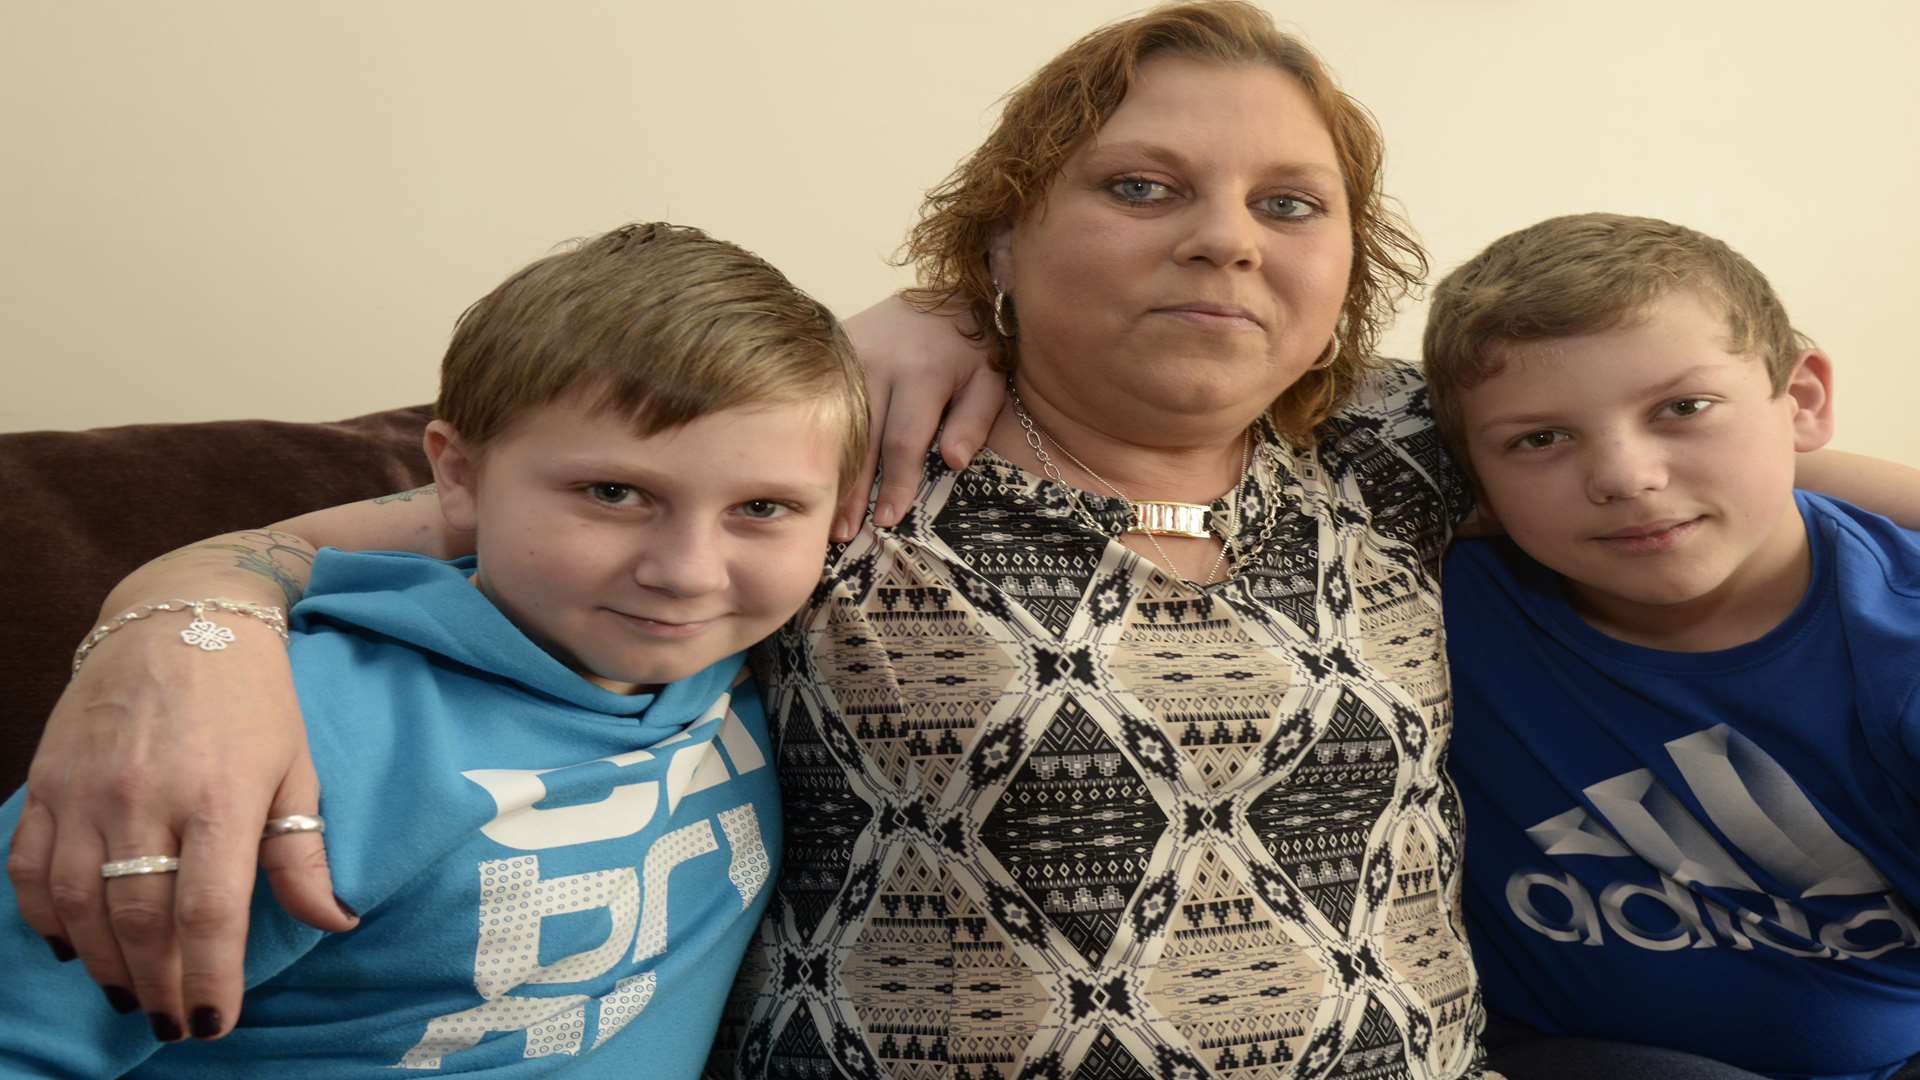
293,823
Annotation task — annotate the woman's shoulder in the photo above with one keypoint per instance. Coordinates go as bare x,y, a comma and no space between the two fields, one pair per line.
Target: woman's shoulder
1384,437
1389,406
1390,388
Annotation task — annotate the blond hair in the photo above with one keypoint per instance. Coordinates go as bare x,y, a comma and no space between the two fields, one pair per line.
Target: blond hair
1054,113
659,322
1583,274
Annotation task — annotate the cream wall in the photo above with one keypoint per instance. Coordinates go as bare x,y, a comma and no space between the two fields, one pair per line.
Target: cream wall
225,208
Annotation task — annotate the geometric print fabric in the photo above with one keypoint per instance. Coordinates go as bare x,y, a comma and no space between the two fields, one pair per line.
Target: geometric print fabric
1051,812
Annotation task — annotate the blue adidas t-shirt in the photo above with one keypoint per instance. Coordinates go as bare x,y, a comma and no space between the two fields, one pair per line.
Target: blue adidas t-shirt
1716,852
553,878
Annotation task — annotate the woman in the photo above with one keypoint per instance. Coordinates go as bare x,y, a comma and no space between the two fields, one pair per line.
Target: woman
1120,752
1056,799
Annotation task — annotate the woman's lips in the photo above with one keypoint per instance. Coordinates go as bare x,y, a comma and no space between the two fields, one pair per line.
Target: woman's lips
1213,316
1650,539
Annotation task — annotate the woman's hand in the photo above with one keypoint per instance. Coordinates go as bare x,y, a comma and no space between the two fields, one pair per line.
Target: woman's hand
158,749
919,365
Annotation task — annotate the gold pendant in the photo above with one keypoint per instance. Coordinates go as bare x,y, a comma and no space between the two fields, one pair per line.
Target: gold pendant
1170,519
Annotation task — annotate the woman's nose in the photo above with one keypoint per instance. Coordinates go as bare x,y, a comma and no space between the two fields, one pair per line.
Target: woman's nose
1223,233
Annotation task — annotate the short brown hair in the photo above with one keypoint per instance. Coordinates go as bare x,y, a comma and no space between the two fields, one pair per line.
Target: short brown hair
660,322
1583,274
1055,112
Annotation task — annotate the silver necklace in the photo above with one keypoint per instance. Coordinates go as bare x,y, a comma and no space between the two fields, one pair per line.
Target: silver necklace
1148,516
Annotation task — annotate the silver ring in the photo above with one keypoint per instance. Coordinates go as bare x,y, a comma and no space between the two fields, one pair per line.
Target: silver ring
141,864
293,823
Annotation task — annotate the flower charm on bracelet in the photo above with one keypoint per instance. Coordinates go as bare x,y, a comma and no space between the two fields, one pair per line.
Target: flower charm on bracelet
209,635
203,632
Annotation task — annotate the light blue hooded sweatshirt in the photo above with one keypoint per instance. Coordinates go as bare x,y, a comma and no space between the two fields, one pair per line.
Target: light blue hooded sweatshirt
552,878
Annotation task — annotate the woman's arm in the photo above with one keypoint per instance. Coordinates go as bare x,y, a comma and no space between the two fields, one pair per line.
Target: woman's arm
919,365
1884,487
157,749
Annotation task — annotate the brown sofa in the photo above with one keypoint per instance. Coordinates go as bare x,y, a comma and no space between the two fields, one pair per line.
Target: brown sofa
79,509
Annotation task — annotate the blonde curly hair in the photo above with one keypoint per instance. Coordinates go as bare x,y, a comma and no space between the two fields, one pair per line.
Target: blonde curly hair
1054,113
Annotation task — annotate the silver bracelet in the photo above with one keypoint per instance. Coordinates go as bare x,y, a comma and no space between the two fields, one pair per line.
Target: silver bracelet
202,633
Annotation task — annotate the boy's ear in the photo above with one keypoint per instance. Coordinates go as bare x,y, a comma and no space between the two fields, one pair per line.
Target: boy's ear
456,475
1810,386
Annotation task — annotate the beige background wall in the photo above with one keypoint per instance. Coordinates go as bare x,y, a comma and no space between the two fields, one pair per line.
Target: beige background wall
224,208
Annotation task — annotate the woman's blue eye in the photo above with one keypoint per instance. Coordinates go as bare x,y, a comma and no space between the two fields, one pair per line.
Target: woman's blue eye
1137,190
1286,206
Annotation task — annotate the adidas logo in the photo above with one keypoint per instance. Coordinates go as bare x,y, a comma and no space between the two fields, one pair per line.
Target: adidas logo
1755,804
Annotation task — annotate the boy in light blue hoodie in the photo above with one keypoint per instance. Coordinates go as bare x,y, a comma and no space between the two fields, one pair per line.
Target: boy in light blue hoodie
548,786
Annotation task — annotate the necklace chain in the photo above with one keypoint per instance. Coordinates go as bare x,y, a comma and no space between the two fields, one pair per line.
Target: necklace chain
1037,438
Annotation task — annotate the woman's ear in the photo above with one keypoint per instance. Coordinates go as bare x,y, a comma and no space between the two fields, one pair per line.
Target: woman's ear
1000,258
1810,386
456,475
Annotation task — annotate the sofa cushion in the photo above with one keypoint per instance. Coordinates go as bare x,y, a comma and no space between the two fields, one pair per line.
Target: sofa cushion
79,510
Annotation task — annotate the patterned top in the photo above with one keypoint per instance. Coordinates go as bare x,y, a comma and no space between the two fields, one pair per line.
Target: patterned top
1051,812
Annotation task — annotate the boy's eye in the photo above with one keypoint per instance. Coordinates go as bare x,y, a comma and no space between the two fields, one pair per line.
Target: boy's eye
612,494
762,509
1689,406
1536,440
1136,189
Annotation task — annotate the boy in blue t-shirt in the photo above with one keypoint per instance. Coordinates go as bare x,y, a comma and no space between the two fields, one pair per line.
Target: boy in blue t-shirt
547,781
1687,695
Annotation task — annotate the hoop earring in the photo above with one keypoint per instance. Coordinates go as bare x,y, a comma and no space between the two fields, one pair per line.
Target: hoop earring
1327,356
999,315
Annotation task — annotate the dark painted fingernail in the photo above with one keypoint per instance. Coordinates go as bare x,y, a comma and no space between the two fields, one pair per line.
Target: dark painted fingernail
62,951
345,907
205,1022
121,999
165,1028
